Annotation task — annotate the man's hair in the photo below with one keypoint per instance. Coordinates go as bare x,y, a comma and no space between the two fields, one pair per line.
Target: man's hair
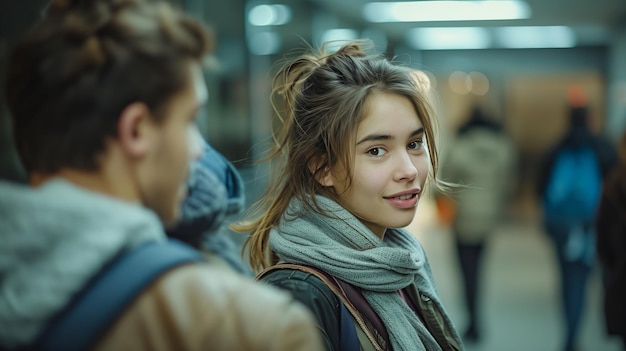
74,72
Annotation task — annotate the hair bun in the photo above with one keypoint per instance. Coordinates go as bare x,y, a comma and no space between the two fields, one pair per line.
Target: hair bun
354,48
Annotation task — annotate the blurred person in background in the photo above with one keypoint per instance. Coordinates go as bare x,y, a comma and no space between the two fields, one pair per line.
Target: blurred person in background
353,156
103,97
611,246
569,186
482,161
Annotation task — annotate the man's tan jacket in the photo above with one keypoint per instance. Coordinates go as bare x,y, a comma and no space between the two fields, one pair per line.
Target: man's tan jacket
208,307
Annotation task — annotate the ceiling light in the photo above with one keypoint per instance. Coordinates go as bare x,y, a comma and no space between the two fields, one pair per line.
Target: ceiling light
446,38
419,11
458,82
269,15
535,37
453,38
479,83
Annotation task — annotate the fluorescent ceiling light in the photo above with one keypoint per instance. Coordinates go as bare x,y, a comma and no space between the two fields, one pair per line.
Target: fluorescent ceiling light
446,38
522,37
420,11
269,15
535,37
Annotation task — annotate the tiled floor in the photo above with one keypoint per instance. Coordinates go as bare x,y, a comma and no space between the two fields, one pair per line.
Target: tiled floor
520,305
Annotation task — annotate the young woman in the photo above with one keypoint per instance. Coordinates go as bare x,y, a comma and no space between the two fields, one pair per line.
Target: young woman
355,158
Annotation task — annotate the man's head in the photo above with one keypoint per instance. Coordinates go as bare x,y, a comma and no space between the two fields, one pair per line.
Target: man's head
103,83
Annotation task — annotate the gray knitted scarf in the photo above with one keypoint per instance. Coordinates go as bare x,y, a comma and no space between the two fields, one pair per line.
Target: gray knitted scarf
342,246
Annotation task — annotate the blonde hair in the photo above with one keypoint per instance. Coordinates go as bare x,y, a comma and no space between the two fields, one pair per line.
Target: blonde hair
320,100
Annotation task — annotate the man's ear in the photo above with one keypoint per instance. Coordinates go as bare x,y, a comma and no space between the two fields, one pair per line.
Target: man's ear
322,176
133,128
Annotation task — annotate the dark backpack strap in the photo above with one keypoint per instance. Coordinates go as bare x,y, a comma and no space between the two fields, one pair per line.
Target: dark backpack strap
348,339
93,311
351,300
372,320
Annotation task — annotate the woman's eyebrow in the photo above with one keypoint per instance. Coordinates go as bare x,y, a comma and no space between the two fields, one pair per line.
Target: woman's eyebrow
419,130
377,137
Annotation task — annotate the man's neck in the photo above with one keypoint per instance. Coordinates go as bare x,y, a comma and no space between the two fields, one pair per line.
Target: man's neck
114,179
101,182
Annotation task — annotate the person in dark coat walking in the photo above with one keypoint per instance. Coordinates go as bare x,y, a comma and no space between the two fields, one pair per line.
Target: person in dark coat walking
570,228
611,246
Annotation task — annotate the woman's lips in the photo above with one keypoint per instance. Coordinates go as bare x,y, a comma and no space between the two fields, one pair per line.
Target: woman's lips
408,200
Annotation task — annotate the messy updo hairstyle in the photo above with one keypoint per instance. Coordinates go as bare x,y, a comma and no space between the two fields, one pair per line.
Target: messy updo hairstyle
74,72
320,101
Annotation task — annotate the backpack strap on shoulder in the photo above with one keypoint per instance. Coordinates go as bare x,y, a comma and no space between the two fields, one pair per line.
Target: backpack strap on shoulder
352,299
104,299
370,317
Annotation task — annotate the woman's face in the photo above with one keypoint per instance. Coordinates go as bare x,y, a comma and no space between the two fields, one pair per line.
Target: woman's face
390,165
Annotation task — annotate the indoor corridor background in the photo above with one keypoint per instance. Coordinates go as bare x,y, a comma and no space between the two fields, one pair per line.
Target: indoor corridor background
523,88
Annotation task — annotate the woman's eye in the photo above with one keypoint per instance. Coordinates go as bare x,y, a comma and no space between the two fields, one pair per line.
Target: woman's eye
416,145
377,151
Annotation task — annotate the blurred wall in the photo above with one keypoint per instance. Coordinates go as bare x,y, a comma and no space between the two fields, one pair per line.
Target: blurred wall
616,79
15,17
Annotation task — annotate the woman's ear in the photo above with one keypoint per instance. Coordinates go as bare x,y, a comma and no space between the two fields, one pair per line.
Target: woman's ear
323,176
326,178
134,130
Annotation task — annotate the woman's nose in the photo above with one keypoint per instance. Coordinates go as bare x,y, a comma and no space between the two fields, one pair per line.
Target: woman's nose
405,167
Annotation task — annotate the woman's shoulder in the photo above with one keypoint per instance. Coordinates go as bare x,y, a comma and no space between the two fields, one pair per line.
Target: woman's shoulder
301,284
312,292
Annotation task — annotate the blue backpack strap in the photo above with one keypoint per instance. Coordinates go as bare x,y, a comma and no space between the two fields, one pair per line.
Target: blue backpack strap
114,288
